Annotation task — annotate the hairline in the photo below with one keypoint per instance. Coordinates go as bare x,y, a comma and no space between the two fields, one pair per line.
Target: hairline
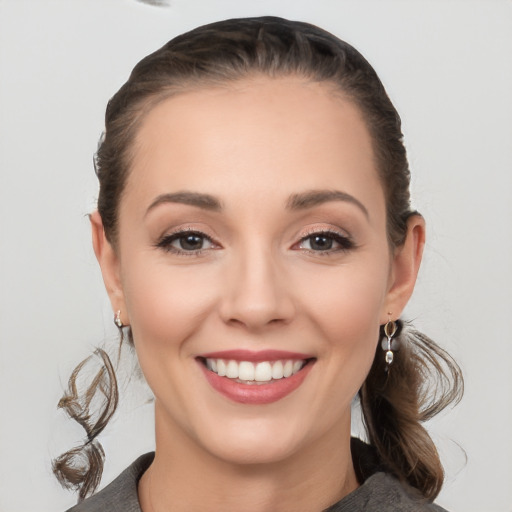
210,81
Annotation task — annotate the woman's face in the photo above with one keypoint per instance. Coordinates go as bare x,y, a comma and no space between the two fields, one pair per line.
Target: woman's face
252,241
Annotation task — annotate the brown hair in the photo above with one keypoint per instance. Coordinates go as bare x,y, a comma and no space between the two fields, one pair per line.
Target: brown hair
394,403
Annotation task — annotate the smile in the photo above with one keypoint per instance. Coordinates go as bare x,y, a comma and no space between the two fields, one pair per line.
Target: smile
255,373
255,377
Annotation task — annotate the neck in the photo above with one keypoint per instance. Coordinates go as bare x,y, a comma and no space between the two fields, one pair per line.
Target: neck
186,477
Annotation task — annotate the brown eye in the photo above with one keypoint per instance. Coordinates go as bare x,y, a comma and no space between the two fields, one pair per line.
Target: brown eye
320,243
325,242
190,242
186,242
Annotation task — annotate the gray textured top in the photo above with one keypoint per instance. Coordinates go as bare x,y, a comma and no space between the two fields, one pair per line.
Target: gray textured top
379,492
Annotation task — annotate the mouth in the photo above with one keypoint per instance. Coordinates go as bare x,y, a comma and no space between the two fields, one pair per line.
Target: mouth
255,378
251,373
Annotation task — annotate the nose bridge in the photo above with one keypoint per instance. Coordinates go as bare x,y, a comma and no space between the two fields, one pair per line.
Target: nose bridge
256,293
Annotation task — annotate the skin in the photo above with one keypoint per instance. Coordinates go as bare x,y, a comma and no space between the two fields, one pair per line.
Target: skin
259,284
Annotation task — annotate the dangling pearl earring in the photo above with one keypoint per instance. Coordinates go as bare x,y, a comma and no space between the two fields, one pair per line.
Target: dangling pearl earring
389,330
117,319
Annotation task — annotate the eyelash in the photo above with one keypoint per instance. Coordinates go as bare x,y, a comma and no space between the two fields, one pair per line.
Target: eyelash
344,241
166,241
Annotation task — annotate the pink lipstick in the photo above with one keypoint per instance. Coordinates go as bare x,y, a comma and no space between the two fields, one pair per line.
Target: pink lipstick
255,377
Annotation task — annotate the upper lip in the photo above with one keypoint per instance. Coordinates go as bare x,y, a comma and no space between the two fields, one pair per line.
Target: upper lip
255,356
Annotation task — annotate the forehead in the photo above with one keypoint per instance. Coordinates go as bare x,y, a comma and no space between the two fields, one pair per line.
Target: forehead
254,134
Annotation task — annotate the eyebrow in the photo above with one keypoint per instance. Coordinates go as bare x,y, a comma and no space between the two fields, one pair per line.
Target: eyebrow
204,201
312,198
302,201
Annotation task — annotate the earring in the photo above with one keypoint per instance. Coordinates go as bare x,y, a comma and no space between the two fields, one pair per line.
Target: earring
117,319
389,330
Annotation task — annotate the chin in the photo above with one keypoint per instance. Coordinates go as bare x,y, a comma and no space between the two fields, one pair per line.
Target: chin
259,452
255,441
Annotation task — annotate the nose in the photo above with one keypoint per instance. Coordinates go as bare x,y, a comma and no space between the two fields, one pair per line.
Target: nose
257,292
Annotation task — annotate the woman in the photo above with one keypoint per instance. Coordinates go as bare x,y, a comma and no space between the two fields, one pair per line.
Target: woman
255,236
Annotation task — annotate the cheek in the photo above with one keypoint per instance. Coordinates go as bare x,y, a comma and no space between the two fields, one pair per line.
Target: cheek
348,306
166,304
348,319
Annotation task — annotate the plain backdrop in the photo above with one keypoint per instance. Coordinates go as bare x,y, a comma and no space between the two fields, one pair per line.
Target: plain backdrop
447,65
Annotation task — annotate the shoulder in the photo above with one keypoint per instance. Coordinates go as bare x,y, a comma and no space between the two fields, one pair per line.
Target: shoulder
379,491
382,492
121,494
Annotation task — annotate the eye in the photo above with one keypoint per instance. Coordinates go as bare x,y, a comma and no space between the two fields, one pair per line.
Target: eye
325,241
186,242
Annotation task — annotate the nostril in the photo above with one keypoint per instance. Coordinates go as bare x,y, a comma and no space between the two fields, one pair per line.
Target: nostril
255,304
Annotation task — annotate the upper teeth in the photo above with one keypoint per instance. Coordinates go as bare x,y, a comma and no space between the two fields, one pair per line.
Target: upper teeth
248,371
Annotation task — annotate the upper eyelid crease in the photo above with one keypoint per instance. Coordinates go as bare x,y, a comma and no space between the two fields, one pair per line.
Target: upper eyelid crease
165,241
174,235
340,238
321,231
307,234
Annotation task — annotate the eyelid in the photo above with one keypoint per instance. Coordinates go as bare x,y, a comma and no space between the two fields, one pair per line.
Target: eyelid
323,229
340,236
164,241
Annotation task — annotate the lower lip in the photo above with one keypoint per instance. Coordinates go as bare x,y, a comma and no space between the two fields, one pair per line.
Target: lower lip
256,393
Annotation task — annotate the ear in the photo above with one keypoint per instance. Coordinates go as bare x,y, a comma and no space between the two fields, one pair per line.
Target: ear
405,265
109,264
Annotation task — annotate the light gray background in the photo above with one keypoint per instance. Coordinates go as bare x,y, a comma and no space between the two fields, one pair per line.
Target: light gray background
447,65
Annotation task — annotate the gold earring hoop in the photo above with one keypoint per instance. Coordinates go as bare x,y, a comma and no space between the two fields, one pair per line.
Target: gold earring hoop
389,330
117,319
